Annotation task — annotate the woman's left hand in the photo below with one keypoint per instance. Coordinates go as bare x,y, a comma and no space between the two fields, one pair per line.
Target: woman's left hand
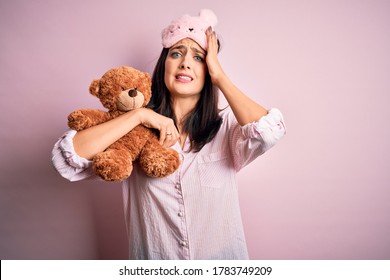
212,61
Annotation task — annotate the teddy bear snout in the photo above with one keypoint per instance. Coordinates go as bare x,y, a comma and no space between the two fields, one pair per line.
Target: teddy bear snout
133,92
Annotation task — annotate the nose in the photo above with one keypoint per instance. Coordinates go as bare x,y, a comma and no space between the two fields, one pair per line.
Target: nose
185,63
184,66
133,92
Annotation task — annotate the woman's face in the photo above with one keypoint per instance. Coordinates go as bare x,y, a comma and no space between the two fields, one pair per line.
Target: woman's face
185,69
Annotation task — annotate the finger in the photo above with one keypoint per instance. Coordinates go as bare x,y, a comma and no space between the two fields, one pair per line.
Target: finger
208,35
168,142
163,135
172,136
212,46
214,42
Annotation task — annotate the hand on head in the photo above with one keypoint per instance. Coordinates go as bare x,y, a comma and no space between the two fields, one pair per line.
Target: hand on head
212,61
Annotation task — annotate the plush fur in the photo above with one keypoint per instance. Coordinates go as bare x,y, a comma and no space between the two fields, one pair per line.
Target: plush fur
189,27
120,90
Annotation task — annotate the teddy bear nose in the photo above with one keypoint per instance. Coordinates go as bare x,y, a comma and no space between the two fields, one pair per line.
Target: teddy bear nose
133,92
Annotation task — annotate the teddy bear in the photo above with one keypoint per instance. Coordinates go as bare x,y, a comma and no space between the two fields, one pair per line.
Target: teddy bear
120,90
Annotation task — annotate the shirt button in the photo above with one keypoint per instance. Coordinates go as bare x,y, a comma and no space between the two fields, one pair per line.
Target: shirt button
177,186
180,214
183,243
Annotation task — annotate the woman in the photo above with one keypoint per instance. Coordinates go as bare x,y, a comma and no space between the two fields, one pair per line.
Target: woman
193,213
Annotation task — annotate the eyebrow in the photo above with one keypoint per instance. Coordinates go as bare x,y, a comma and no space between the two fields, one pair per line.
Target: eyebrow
181,47
197,51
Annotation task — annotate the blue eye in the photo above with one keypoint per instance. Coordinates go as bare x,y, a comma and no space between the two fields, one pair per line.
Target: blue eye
198,58
175,54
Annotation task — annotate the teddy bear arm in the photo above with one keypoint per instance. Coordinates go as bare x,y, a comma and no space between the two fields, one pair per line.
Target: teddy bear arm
158,161
85,118
115,163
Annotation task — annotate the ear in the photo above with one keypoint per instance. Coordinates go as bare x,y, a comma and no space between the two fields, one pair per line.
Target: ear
148,78
94,87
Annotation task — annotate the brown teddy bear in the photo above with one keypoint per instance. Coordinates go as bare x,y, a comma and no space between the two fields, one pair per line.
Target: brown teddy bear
120,90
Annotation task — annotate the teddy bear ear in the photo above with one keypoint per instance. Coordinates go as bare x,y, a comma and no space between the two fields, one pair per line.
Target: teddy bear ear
94,87
148,77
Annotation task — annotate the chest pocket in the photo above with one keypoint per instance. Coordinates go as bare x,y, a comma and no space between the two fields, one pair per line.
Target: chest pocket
213,170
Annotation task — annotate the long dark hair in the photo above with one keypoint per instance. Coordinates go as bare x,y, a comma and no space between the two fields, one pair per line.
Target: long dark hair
203,123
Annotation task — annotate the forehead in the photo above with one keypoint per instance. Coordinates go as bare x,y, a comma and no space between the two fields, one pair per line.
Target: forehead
188,43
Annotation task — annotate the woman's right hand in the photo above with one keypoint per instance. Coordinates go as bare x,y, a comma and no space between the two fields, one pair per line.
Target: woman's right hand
169,134
90,141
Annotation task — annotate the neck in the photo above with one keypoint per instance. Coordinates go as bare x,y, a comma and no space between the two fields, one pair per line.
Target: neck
182,107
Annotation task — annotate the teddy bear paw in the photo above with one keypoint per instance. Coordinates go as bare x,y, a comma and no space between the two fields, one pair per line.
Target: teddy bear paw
79,121
159,164
112,168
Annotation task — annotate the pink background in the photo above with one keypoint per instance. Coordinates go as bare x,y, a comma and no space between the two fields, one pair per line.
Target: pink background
321,193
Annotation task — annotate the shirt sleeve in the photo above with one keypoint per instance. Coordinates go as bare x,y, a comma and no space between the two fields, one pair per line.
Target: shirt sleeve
65,160
252,140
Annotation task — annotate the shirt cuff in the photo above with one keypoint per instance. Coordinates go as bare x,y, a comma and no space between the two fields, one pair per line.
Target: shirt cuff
69,154
272,123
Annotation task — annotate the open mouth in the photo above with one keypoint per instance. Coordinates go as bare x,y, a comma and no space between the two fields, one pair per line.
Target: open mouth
184,78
